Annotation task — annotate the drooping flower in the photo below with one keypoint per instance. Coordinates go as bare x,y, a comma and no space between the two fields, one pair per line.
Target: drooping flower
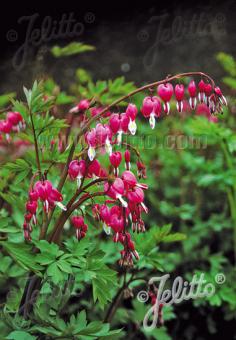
141,169
80,227
77,170
192,90
127,159
83,105
90,138
131,112
201,94
48,195
165,92
6,128
179,95
208,92
116,190
115,160
151,109
221,97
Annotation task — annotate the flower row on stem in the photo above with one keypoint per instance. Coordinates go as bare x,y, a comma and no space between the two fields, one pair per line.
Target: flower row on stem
123,205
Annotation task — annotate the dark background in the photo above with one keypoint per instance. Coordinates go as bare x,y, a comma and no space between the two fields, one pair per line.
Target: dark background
143,41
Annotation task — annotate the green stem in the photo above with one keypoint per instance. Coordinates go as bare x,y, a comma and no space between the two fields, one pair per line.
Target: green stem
231,192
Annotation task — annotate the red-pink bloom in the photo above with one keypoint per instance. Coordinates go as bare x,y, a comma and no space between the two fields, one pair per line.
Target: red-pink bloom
95,111
90,138
115,159
130,181
192,90
28,217
55,196
80,226
83,105
116,190
5,127
114,122
117,223
49,195
105,214
179,95
141,169
116,209
127,159
213,119
104,137
201,94
119,124
77,221
208,92
131,112
135,212
124,126
33,195
94,169
101,134
31,207
151,109
43,189
77,169
222,98
136,195
203,110
128,253
165,92
15,118
147,107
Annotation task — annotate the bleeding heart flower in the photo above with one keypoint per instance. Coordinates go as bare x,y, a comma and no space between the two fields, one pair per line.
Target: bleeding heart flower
222,98
131,112
179,95
117,223
33,195
43,189
5,127
192,90
90,138
77,221
115,159
165,92
32,206
127,159
94,169
151,109
83,105
114,122
116,190
208,92
201,94
130,181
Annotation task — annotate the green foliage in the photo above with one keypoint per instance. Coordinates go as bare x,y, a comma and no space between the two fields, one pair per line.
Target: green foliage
5,99
228,62
190,226
106,92
20,253
71,49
